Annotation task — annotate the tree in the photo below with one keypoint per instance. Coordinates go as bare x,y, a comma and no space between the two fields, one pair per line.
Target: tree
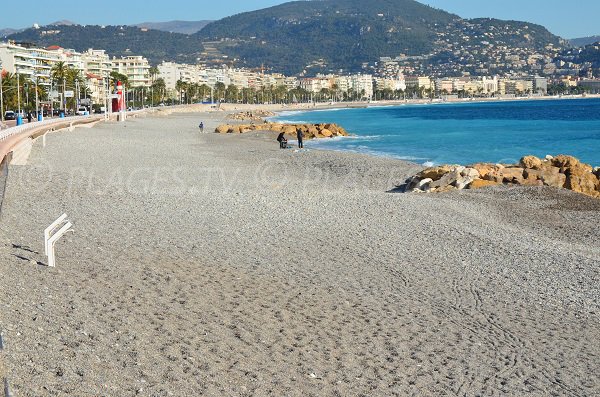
203,92
181,87
219,90
157,90
59,74
231,93
153,73
9,91
115,77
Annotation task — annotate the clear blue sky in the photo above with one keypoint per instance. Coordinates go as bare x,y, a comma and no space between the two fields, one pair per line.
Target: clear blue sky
570,19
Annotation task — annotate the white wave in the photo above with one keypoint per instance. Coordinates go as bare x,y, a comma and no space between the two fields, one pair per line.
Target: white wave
289,113
428,164
283,121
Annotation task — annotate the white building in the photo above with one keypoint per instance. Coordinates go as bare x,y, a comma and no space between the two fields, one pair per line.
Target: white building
362,83
34,63
96,62
136,68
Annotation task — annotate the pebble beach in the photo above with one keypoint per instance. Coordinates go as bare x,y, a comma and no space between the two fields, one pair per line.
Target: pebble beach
220,265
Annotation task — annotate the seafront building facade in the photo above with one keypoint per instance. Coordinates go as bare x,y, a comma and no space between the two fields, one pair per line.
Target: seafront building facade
135,67
95,66
35,64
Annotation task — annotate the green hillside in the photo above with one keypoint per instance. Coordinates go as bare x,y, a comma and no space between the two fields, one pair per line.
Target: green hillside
343,33
117,41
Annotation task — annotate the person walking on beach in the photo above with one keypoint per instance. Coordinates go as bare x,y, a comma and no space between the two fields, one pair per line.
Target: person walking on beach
29,117
201,126
300,137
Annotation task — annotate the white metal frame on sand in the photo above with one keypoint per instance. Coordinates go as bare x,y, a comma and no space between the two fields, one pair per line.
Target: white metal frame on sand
50,237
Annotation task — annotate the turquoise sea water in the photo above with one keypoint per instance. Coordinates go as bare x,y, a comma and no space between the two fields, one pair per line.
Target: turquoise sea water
465,133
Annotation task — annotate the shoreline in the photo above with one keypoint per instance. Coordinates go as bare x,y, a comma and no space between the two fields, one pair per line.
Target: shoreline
280,117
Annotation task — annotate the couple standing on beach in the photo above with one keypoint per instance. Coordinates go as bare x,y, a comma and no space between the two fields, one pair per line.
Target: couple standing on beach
283,142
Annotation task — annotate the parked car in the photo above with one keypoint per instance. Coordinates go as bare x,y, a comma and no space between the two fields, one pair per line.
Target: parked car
81,110
10,115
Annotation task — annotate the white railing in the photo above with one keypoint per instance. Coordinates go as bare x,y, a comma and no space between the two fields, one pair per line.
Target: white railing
46,123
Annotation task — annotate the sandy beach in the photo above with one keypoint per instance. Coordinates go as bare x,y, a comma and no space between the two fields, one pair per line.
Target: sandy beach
220,265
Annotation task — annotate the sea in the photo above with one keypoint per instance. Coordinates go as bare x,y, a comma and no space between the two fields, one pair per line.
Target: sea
464,133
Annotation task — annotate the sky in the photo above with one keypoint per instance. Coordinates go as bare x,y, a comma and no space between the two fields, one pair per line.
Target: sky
569,20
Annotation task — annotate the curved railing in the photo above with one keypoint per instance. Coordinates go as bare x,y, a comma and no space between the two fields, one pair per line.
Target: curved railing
11,131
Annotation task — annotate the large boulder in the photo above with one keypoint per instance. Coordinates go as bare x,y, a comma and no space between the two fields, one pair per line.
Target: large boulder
481,183
326,133
289,130
531,162
448,179
222,129
506,175
435,173
312,132
470,172
563,161
486,169
549,176
424,184
585,183
244,129
463,181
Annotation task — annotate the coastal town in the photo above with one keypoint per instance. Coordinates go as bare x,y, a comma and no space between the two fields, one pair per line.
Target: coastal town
95,74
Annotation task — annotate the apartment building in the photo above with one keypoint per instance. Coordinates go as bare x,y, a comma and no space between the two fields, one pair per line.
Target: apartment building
96,62
136,68
34,63
315,84
419,82
362,83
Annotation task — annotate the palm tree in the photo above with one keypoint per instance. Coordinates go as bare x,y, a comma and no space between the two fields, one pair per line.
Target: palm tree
9,91
59,74
203,91
231,93
181,86
220,90
153,72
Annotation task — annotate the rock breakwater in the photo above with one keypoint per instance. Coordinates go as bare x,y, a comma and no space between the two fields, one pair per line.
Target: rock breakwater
256,115
565,172
310,131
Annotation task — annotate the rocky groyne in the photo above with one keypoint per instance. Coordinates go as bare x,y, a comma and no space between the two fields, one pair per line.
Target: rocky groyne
565,172
256,115
310,131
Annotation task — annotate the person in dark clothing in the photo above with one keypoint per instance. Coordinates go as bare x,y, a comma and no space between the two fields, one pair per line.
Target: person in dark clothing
29,117
300,136
201,126
282,141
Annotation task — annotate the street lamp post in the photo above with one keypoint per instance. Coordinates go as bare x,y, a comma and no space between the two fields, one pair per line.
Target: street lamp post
1,99
18,93
37,104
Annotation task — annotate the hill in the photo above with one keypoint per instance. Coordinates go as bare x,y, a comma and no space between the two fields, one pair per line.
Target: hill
185,27
326,36
117,41
329,35
9,31
586,57
583,41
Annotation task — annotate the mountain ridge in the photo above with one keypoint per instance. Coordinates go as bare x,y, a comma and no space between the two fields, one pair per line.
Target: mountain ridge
329,35
583,41
176,26
308,37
